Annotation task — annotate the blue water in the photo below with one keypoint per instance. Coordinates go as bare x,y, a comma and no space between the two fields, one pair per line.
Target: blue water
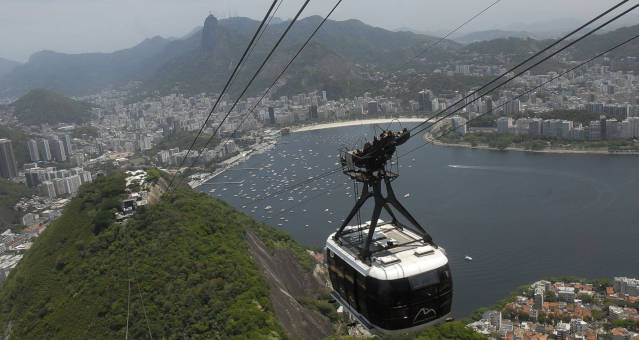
521,216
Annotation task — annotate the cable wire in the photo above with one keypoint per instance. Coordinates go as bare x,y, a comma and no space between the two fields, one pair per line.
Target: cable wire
128,308
226,86
532,66
432,139
536,55
252,109
259,37
129,264
428,47
464,101
304,46
330,172
279,41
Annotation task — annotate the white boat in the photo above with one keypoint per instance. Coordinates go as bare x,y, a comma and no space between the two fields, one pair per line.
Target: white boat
407,196
468,258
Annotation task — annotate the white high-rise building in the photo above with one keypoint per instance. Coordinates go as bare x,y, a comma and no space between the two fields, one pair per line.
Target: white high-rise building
634,126
539,298
33,150
459,124
578,326
73,183
44,150
504,125
60,186
494,317
48,189
626,286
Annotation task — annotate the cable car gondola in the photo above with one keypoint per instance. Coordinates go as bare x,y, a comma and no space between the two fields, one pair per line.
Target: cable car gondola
392,277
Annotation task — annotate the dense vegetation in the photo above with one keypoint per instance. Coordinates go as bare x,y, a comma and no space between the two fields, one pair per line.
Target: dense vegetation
183,139
41,106
85,131
186,258
10,194
445,331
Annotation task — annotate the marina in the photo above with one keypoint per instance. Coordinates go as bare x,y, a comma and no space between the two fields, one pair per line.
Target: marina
501,208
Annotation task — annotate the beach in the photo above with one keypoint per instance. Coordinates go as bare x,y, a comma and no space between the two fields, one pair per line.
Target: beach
357,122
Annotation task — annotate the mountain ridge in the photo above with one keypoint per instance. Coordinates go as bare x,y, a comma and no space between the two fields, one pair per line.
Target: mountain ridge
81,74
6,66
185,65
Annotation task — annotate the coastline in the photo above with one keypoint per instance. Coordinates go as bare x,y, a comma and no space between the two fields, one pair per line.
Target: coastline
555,151
356,123
244,156
231,162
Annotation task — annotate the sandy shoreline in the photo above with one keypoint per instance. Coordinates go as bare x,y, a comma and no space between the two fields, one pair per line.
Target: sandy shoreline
357,122
557,151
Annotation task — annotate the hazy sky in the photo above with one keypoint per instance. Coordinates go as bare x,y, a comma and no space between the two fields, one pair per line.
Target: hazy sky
74,26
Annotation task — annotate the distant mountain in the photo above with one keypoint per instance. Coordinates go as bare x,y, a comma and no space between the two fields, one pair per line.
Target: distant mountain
523,47
507,46
331,59
337,60
545,29
201,61
491,35
7,66
81,74
600,42
41,106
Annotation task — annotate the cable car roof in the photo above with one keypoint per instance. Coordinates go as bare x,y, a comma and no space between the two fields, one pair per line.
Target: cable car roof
397,253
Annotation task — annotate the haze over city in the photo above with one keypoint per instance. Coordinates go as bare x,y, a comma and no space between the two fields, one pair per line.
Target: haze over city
259,169
76,26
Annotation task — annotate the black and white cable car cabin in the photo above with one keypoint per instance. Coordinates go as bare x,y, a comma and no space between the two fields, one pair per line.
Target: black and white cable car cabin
392,277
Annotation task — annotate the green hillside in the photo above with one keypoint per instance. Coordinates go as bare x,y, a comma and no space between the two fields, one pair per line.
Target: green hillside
193,272
45,106
10,194
186,255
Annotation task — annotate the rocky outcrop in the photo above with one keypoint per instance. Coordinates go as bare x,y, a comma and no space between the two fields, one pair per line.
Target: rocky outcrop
209,34
288,280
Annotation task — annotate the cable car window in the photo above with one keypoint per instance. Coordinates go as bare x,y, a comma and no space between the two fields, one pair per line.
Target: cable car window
447,280
349,284
360,291
445,273
392,293
424,280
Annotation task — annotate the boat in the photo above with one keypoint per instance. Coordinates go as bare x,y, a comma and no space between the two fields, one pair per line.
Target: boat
468,258
407,196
